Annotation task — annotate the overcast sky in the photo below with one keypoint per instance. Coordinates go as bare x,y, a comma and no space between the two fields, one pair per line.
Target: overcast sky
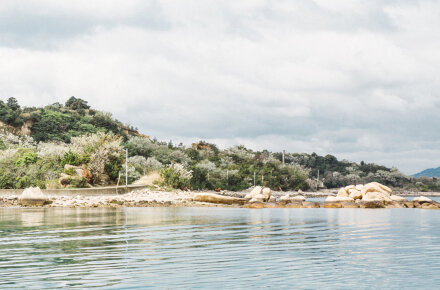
357,79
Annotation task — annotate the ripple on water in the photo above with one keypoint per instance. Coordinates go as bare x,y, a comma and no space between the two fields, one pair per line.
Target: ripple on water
223,247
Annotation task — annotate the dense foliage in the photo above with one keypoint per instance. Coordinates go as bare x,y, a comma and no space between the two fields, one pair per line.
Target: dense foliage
59,122
72,145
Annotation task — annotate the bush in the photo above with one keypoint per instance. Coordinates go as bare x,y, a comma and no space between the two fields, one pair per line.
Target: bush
176,176
70,158
26,159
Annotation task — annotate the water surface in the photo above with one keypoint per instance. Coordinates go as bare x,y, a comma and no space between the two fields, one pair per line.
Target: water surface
219,247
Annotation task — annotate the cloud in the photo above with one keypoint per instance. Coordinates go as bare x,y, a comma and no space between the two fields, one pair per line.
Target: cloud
355,79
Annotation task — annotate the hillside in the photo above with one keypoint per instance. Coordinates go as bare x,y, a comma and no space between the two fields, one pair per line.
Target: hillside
73,145
58,122
431,172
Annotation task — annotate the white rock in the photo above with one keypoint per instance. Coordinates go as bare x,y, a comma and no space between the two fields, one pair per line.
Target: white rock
272,199
32,193
285,197
331,198
422,198
359,187
376,196
298,198
342,192
257,197
256,190
342,198
355,194
376,187
266,193
397,198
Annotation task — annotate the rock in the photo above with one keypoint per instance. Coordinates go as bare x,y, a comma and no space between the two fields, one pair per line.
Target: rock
309,204
429,206
398,198
375,187
254,205
256,190
359,187
217,198
266,193
394,204
332,205
355,194
422,199
285,198
258,198
298,198
294,204
344,199
383,187
32,196
272,199
374,195
331,199
300,191
338,199
371,204
248,196
408,204
349,205
342,192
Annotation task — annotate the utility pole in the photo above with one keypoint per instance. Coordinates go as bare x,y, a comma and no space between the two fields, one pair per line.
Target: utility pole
126,167
317,181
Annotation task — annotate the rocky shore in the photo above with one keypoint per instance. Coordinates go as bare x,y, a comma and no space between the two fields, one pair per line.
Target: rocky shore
369,196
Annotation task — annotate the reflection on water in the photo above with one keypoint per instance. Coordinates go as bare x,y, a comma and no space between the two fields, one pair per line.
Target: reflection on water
219,247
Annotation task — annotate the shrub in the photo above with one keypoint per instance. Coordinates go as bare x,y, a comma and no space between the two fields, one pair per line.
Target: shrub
176,176
26,159
70,158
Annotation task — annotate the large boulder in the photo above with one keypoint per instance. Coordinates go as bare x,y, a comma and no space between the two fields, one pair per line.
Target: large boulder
371,204
285,198
256,190
398,198
343,192
339,199
259,193
257,198
266,193
355,194
422,199
376,187
298,198
376,195
217,198
429,206
33,196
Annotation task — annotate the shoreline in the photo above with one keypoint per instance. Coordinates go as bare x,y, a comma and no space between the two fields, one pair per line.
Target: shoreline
157,198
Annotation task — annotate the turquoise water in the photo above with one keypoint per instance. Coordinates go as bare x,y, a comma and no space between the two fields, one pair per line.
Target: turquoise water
219,248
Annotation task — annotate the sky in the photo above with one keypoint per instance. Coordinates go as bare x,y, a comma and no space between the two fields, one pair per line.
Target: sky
353,78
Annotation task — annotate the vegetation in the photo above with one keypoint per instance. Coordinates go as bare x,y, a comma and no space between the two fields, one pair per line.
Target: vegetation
72,145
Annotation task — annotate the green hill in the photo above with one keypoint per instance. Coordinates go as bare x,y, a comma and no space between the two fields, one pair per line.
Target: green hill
58,122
